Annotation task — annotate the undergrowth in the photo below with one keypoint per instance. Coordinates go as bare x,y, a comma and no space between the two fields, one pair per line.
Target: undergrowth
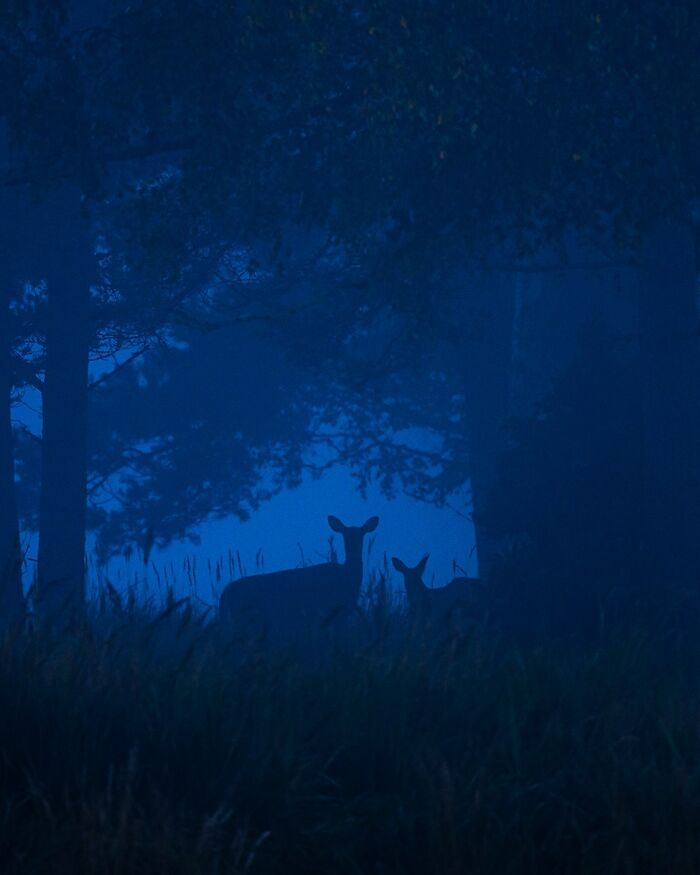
149,743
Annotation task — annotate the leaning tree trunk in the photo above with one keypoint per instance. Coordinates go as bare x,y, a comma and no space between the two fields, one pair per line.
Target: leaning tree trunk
70,266
670,349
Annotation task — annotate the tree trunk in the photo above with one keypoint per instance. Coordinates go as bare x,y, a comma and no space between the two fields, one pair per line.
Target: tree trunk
69,271
487,390
671,374
11,596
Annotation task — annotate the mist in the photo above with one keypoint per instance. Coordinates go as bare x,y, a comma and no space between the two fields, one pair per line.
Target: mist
349,436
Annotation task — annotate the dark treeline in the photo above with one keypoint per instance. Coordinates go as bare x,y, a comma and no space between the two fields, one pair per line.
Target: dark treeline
471,218
243,241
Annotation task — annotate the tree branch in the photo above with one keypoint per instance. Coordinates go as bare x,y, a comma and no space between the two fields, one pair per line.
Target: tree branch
560,267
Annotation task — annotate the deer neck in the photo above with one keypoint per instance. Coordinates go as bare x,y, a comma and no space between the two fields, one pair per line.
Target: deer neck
353,563
415,589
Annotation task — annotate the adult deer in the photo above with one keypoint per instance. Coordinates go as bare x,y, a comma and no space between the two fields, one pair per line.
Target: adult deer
280,603
463,596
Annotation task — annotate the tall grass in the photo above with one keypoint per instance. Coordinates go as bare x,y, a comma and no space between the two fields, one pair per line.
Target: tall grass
148,743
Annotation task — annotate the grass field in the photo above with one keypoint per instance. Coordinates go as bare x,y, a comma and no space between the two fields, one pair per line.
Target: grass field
150,745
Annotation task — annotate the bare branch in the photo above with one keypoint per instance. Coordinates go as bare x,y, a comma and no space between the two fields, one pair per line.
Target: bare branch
119,367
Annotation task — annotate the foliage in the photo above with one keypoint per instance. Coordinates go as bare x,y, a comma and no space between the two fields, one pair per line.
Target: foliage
519,121
205,429
410,137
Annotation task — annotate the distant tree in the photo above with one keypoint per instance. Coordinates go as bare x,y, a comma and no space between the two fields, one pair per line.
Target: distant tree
100,172
568,500
85,122
505,131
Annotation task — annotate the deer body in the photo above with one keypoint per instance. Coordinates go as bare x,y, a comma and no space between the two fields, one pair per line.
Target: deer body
462,596
281,602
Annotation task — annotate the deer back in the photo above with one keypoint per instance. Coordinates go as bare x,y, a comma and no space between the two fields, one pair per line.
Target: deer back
284,597
463,594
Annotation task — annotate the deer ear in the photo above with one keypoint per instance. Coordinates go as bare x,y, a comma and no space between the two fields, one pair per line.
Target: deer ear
335,524
398,565
371,524
424,561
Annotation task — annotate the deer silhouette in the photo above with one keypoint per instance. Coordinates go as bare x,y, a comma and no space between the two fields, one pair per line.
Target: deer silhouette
281,603
462,597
